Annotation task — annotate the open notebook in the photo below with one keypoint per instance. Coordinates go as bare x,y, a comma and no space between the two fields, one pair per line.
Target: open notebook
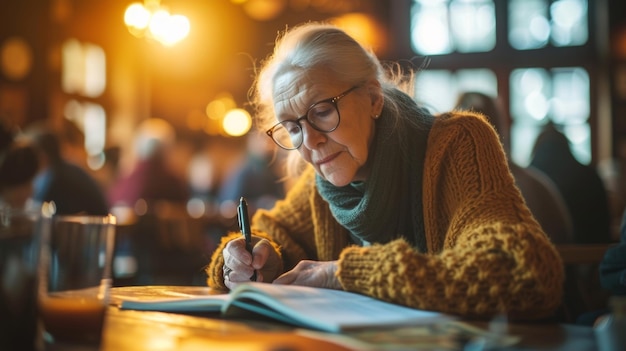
313,308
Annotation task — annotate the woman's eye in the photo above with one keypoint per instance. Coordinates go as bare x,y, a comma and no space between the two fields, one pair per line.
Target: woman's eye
291,128
321,111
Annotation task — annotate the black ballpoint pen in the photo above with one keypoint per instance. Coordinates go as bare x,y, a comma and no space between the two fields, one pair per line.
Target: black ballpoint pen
244,226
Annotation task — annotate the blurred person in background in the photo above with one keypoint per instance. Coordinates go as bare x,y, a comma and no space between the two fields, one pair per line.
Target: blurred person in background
587,201
151,177
580,185
18,166
72,189
256,178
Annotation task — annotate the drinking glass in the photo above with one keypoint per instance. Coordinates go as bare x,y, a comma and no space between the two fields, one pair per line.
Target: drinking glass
76,278
21,234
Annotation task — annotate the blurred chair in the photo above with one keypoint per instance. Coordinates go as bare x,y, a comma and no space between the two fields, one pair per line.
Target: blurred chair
161,245
583,292
587,202
580,185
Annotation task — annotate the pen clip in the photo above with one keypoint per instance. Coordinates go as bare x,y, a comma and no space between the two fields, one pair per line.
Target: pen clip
239,217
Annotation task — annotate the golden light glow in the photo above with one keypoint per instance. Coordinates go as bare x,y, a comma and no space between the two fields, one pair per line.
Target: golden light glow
83,68
217,108
16,58
237,122
154,21
137,16
264,10
363,28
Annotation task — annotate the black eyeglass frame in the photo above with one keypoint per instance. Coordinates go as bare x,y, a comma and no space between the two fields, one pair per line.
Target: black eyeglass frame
332,100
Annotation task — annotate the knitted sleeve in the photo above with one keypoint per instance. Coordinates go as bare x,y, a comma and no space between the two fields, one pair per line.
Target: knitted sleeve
486,253
287,226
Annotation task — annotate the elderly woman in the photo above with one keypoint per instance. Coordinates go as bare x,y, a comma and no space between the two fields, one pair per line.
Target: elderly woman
391,202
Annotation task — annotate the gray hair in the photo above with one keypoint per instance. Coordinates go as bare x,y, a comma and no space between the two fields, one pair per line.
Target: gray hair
319,45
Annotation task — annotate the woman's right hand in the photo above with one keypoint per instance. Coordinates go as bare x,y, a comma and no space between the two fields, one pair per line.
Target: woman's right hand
239,265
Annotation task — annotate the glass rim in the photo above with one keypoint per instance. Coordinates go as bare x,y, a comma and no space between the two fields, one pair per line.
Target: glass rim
85,219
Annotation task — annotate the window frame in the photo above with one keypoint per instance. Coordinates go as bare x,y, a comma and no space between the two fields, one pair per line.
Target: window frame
503,59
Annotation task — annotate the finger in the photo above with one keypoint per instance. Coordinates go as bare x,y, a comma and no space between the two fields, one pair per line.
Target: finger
228,283
231,285
242,275
286,278
260,253
236,255
259,276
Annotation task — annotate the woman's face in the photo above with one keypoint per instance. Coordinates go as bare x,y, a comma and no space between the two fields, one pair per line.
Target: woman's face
340,156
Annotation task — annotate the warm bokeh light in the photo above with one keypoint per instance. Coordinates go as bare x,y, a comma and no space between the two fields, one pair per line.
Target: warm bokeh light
363,28
178,29
16,58
264,10
84,68
216,109
154,21
237,122
158,23
137,16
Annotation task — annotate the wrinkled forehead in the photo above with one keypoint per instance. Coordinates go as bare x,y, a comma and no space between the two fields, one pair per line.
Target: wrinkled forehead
289,85
298,90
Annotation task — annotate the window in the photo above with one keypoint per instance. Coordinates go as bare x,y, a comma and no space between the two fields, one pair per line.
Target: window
560,95
441,27
535,23
438,89
468,53
84,75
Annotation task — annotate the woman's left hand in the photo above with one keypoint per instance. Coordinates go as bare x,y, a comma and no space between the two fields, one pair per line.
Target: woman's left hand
319,274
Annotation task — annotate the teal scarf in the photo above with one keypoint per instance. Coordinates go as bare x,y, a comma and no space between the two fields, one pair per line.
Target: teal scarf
388,205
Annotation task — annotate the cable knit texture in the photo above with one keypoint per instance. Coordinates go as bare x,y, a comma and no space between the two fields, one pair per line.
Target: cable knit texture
486,253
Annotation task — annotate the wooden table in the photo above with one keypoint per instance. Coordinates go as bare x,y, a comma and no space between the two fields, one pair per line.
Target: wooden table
156,331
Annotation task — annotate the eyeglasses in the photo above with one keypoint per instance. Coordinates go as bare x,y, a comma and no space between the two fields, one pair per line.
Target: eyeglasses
323,116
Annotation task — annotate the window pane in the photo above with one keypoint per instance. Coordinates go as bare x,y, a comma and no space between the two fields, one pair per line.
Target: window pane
478,80
83,69
95,128
522,141
438,90
528,24
443,26
579,136
95,70
429,28
73,67
434,89
569,22
91,120
473,25
570,101
560,95
534,23
530,94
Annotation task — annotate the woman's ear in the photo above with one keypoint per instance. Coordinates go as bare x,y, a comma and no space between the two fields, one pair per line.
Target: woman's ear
375,92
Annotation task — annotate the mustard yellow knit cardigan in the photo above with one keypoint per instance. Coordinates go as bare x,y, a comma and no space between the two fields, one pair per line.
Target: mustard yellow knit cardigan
486,253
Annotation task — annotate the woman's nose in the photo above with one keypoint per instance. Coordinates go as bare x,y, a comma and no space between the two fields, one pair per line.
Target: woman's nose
311,137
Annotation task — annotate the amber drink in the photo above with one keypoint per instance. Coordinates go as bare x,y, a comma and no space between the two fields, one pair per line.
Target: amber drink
76,263
21,235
